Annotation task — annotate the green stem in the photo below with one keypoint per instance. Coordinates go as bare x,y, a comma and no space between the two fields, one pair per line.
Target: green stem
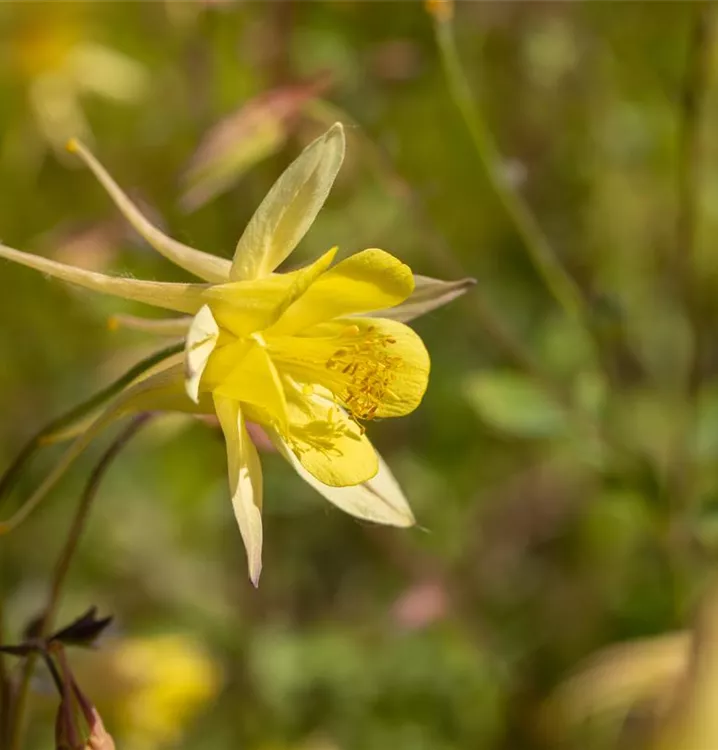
11,475
4,683
680,482
79,521
559,283
488,321
690,161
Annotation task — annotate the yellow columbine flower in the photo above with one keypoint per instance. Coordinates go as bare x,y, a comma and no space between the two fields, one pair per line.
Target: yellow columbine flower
301,353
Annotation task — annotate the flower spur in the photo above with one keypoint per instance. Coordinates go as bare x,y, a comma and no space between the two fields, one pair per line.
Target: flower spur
310,355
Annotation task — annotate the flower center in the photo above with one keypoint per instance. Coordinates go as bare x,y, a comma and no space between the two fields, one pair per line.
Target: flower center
357,366
367,369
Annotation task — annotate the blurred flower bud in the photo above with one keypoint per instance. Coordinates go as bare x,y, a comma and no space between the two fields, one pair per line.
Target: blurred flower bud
244,138
78,725
83,731
151,688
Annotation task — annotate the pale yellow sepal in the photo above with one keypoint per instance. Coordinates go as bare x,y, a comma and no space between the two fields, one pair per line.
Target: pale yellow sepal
244,307
380,499
245,480
368,280
72,430
200,343
429,294
185,298
290,207
205,266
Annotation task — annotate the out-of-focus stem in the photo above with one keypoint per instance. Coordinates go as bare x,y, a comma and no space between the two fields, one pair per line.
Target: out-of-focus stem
680,480
17,725
11,475
488,322
557,280
693,97
4,683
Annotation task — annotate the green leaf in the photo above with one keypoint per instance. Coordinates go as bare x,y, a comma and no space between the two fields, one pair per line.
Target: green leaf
515,404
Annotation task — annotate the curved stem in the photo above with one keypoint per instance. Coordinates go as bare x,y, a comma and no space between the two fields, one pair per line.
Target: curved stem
489,322
4,683
690,157
557,280
679,483
62,566
44,436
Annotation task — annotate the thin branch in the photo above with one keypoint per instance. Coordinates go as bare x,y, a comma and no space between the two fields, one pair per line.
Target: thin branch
12,473
690,146
680,482
487,320
4,682
563,288
62,566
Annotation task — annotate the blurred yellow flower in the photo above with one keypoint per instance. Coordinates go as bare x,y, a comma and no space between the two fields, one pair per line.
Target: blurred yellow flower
52,55
308,354
170,678
149,689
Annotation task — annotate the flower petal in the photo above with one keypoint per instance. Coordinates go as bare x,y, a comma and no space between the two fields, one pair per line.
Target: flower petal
185,298
245,481
374,367
201,341
369,280
379,499
428,295
326,442
243,371
245,307
290,207
406,391
205,266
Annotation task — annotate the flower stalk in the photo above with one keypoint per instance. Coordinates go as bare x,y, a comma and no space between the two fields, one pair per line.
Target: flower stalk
77,527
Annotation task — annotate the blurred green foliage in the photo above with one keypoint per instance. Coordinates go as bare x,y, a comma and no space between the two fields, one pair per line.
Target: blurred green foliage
565,480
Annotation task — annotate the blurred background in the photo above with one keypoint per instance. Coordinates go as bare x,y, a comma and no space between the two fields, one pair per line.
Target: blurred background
562,467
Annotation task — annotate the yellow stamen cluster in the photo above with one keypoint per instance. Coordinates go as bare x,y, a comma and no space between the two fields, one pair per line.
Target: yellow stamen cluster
366,369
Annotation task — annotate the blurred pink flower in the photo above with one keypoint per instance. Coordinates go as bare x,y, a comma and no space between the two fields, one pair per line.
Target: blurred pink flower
421,605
